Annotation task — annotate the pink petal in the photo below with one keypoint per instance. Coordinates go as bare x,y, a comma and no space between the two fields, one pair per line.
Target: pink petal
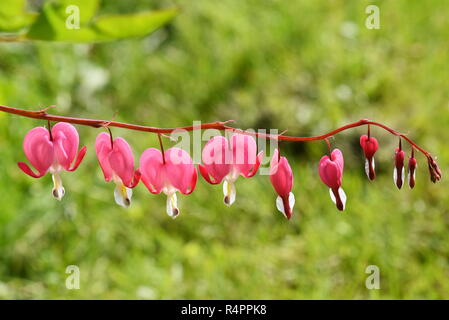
216,157
103,148
254,169
181,173
152,170
25,168
281,175
369,146
79,158
136,179
244,152
66,141
121,160
206,175
39,149
330,172
337,156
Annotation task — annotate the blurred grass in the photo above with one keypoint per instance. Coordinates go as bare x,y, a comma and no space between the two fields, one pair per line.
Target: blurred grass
306,66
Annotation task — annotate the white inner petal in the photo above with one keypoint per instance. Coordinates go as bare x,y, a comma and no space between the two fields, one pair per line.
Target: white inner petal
122,195
414,176
367,167
229,192
58,190
342,195
332,196
172,205
280,205
291,200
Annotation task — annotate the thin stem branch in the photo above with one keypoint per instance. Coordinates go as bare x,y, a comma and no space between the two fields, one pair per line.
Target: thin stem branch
328,146
219,125
162,147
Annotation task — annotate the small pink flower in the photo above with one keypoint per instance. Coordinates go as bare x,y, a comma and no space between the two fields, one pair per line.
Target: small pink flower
369,146
331,173
398,172
412,165
117,163
168,173
52,153
226,161
281,178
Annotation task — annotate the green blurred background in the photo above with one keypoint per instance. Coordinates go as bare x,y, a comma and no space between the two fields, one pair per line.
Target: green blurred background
306,66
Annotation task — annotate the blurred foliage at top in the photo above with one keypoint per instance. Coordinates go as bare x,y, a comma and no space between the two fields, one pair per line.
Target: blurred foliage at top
75,21
306,66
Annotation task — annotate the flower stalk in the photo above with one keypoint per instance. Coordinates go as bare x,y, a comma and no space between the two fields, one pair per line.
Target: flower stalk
434,170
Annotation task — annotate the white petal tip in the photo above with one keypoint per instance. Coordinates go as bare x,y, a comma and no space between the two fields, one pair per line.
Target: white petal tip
367,168
229,192
342,195
172,206
58,193
122,196
395,177
280,205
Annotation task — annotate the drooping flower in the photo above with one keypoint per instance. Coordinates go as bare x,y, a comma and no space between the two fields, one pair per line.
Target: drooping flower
281,178
434,170
412,164
52,151
369,145
168,173
398,172
224,160
331,173
117,163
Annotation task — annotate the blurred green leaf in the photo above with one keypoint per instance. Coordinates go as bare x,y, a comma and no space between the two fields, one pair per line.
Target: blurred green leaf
13,17
53,24
136,25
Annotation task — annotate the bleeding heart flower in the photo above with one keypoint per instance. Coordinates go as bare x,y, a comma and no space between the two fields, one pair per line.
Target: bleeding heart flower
281,178
369,146
52,153
412,165
331,173
168,173
398,172
226,161
117,163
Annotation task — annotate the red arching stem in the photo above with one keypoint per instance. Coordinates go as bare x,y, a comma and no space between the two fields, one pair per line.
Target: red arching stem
331,133
219,125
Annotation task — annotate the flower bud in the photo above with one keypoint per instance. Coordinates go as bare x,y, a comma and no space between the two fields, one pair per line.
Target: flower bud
434,170
398,173
412,164
369,146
